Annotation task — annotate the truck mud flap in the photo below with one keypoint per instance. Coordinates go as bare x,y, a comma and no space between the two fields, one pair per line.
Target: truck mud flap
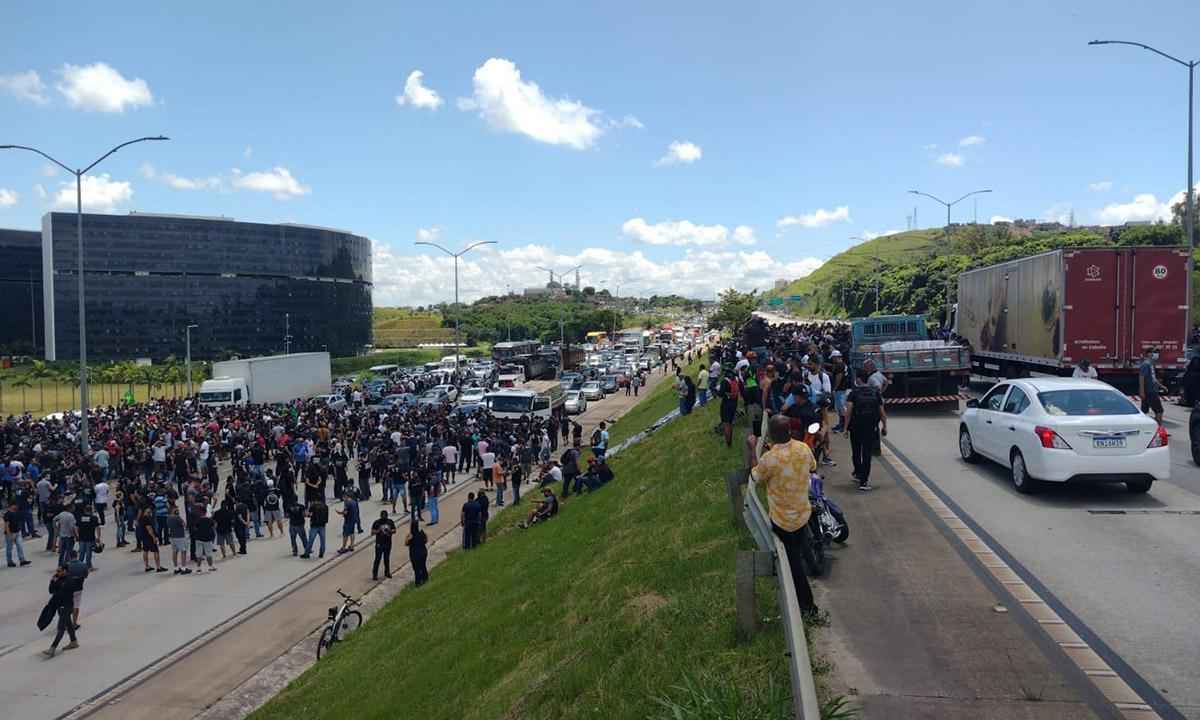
920,400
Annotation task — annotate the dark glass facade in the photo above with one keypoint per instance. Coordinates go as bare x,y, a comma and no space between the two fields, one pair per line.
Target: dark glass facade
247,285
21,289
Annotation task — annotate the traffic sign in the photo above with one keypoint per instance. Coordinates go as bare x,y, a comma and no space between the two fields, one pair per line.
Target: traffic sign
796,298
775,301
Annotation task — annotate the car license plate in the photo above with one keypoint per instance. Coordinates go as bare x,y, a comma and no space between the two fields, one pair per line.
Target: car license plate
1108,442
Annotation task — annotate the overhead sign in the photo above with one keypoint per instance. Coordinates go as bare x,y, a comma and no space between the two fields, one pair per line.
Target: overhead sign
775,301
796,298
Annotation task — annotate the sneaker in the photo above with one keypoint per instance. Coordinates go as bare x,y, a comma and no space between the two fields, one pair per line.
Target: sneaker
305,556
828,462
160,569
26,562
865,487
12,564
71,645
48,652
178,571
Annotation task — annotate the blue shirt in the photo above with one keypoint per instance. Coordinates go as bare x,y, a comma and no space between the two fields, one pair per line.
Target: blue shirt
1146,370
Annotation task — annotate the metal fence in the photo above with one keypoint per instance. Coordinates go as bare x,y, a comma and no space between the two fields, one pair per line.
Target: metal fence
804,688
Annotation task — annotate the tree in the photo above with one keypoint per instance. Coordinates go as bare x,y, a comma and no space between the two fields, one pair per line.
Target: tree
41,373
733,309
22,382
589,291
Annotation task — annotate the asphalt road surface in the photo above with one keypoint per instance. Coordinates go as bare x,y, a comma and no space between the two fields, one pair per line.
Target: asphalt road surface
1125,565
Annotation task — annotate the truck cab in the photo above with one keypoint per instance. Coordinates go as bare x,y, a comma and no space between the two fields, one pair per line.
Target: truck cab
921,369
222,391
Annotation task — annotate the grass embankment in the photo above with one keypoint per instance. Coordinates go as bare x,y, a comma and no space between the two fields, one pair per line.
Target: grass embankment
404,327
660,401
622,599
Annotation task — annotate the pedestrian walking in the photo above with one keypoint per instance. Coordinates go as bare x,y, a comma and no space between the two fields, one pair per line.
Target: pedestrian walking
61,605
865,416
296,520
318,518
349,513
12,536
418,554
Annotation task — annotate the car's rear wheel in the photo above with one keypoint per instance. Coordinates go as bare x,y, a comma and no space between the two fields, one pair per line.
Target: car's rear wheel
1020,474
1139,486
966,448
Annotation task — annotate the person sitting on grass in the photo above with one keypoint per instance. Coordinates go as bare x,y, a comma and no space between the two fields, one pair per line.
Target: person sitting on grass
546,508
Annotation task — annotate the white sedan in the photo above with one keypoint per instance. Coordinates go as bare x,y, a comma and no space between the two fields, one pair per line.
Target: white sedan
450,390
1065,429
575,403
471,395
592,391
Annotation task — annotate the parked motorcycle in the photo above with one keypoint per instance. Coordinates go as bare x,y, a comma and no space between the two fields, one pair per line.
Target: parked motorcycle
826,525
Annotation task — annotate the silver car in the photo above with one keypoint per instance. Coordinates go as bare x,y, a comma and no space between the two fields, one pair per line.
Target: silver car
591,390
576,402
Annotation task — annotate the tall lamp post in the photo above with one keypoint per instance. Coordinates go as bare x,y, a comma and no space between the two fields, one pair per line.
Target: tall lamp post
456,256
188,362
948,206
83,383
1189,225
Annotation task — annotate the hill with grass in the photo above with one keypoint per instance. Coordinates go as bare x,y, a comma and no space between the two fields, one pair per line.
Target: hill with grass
620,607
916,271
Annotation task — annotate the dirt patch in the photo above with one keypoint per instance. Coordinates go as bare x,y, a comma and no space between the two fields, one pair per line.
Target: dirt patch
645,605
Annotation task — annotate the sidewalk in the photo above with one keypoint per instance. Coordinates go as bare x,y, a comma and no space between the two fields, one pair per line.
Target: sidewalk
915,632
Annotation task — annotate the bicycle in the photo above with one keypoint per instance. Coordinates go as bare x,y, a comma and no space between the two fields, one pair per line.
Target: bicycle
341,620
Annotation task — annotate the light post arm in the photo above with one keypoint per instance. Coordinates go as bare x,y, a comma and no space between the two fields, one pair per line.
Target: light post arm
110,152
931,197
1143,46
39,152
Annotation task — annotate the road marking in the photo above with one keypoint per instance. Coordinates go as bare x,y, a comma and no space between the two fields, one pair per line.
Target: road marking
1112,687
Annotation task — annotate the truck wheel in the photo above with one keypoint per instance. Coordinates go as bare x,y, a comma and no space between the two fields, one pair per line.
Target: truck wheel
966,448
1020,474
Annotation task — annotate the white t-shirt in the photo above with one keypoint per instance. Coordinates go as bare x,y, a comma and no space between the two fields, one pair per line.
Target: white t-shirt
450,454
101,489
556,474
487,460
1089,373
877,380
204,452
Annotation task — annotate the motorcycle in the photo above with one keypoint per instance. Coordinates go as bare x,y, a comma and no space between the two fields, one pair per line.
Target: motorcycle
826,525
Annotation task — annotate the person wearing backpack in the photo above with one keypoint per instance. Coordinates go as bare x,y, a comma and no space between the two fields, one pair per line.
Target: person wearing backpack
864,418
272,509
600,440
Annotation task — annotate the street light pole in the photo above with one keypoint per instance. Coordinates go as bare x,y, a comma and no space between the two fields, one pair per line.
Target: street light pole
948,206
83,383
287,333
456,256
1189,221
188,363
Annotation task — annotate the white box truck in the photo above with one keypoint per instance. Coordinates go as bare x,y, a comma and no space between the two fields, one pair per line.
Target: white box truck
266,380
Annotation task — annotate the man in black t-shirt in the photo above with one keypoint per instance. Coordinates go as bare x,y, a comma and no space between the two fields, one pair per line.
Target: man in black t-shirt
318,514
13,519
470,522
223,520
383,529
204,532
241,524
295,515
864,416
87,534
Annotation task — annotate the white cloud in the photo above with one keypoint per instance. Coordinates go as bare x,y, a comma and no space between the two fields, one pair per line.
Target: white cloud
40,191
429,234
970,140
278,181
868,235
171,180
8,198
417,95
100,88
817,218
27,86
1059,212
950,159
1000,219
509,103
628,121
680,233
248,151
680,153
1101,186
1143,207
744,235
100,192
425,278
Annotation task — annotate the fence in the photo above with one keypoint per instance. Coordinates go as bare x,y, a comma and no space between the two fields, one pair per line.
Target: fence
771,559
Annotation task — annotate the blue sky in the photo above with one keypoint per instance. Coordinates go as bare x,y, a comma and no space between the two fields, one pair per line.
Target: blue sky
550,127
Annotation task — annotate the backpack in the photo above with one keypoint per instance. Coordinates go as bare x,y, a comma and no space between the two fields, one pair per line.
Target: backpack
596,437
866,401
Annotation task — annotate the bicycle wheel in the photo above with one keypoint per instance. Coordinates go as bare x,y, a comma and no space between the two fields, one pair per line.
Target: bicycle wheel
325,642
351,621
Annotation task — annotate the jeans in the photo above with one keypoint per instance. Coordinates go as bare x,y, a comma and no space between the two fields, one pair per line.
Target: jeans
683,406
297,532
120,528
433,509
85,552
862,442
839,405
66,547
383,553
11,541
794,542
102,511
516,486
27,526
702,396
470,536
313,534
499,496
65,625
256,518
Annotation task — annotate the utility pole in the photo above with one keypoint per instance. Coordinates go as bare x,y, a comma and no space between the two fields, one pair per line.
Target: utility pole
948,206
456,256
188,363
32,313
287,333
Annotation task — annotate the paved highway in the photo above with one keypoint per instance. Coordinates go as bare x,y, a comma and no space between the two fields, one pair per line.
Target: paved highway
1125,565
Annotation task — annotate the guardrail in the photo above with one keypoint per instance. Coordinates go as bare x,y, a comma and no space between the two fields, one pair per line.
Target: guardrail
804,688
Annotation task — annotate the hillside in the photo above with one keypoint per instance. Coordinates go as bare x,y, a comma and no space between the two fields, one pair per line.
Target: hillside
916,271
404,328
616,604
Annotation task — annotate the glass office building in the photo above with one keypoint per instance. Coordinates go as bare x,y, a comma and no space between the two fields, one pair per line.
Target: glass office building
21,290
247,286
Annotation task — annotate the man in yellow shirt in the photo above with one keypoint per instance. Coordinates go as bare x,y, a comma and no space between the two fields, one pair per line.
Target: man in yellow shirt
785,470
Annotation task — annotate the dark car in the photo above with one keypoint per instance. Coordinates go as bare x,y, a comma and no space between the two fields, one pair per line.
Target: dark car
571,381
609,383
467,409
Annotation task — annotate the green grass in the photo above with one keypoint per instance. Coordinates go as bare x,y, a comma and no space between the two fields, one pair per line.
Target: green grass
657,403
620,607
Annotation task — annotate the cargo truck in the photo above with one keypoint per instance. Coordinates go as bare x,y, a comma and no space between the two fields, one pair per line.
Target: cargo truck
920,370
267,380
1047,312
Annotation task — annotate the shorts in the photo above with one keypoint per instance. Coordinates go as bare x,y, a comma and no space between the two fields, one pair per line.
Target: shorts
204,549
149,544
271,516
1153,402
348,529
78,595
225,539
728,411
179,544
400,489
